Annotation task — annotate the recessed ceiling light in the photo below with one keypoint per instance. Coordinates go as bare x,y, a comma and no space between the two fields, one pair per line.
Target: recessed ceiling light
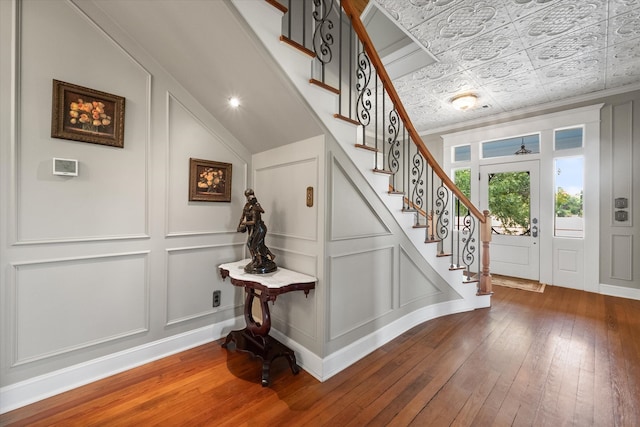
464,102
234,102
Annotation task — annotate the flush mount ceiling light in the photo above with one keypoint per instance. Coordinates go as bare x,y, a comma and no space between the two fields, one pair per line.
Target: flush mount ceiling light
234,102
464,102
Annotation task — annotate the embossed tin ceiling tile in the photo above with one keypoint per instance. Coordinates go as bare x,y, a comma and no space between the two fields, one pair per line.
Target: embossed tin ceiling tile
624,27
575,43
523,99
499,43
622,53
560,19
618,7
452,85
501,68
435,71
414,12
515,84
589,64
520,8
460,23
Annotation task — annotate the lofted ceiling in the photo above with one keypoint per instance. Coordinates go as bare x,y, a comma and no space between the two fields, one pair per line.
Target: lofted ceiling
206,48
514,54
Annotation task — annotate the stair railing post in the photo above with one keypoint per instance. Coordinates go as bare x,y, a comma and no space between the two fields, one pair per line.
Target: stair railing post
485,287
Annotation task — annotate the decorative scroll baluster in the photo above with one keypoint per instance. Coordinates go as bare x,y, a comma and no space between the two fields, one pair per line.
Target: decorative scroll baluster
417,181
442,214
363,101
393,155
322,37
469,241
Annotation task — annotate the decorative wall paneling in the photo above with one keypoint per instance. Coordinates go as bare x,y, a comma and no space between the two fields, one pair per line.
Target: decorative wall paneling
65,305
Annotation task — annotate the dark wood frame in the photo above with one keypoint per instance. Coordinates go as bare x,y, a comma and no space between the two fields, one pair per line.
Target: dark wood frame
196,168
110,114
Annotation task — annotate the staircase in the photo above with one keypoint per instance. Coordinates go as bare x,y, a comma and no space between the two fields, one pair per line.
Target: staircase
323,47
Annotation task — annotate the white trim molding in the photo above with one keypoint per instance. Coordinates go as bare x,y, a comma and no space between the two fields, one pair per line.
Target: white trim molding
23,393
620,291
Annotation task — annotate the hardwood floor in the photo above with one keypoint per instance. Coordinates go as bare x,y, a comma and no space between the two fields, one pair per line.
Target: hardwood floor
559,358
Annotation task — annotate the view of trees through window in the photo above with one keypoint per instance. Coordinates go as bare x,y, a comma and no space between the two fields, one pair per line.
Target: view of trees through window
510,202
462,179
569,190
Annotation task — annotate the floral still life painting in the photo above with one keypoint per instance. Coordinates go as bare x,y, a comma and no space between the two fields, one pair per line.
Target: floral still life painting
209,181
87,115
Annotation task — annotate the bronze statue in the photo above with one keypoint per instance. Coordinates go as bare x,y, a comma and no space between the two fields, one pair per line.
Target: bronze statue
251,222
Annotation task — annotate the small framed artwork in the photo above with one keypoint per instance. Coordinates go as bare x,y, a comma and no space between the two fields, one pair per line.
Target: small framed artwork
88,115
209,181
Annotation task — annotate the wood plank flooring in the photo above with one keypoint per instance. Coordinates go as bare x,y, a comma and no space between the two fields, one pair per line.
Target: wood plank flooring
561,358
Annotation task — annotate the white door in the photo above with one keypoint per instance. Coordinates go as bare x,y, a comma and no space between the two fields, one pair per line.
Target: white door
510,191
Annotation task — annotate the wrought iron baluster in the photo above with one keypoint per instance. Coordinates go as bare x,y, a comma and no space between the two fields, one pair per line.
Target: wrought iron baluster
322,37
469,240
393,154
442,213
417,172
363,102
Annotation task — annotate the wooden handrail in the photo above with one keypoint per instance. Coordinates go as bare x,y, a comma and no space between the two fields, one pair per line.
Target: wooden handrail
360,30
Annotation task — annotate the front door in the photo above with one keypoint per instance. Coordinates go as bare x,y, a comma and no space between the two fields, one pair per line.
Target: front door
510,192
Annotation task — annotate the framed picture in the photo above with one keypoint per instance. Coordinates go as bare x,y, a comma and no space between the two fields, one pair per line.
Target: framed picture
87,115
209,181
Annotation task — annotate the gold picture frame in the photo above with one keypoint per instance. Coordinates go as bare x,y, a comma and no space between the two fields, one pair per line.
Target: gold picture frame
209,181
87,115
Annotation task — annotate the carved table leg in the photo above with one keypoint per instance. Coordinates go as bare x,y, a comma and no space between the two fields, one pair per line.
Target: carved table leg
255,339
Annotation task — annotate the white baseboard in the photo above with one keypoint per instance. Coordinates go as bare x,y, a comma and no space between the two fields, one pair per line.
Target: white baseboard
32,390
620,291
347,356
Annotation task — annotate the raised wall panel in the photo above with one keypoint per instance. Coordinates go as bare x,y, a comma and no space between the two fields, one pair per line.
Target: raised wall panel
414,284
352,216
283,189
193,275
568,260
622,257
66,305
189,138
55,208
295,313
361,289
622,160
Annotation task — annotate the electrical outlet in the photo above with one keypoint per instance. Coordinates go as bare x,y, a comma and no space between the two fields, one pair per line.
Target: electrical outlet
216,298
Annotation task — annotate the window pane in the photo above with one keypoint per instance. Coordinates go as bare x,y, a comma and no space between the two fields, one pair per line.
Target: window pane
462,179
569,187
462,153
568,138
509,146
510,203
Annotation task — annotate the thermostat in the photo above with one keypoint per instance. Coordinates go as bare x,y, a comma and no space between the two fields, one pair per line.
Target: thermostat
67,167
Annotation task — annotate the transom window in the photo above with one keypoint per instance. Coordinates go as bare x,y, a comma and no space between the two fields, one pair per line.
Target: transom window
529,144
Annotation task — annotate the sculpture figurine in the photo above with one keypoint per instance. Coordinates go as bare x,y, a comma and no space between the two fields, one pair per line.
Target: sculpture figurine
251,222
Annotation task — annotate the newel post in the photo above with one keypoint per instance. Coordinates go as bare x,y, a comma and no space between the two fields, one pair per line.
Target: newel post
485,287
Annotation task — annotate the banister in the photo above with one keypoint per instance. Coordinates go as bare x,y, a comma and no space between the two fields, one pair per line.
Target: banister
360,30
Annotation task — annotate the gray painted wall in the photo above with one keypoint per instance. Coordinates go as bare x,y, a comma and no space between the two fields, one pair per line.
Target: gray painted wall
116,257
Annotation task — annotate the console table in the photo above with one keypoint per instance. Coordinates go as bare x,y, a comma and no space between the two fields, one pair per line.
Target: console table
254,338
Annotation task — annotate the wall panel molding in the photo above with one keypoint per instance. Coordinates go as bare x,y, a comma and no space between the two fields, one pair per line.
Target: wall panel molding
192,276
361,289
622,257
64,305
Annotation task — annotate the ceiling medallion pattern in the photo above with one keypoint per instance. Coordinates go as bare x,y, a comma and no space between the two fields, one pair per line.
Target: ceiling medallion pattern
515,53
